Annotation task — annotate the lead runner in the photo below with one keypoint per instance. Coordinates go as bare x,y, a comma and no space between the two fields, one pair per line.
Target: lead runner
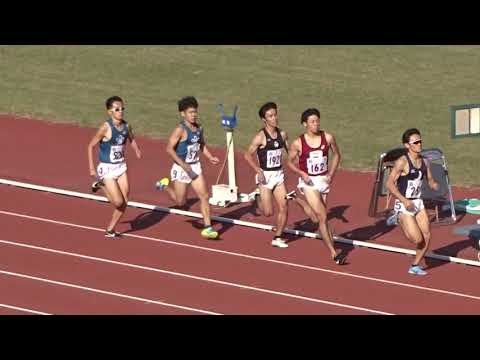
112,169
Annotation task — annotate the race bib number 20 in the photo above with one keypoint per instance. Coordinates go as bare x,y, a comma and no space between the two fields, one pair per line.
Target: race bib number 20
414,189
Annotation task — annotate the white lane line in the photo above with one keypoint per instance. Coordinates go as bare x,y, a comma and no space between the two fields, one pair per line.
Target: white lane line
24,309
314,268
200,278
136,298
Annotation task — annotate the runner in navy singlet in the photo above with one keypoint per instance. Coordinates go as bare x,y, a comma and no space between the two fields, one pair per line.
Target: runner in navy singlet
111,171
269,144
405,183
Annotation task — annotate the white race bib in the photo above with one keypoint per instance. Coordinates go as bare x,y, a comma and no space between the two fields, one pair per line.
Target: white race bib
414,189
274,158
192,153
117,153
316,162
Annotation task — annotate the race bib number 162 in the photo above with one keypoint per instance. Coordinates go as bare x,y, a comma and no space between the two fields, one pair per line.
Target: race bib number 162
316,163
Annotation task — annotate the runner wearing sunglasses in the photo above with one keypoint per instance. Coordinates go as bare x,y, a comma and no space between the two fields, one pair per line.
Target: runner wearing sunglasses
405,183
111,172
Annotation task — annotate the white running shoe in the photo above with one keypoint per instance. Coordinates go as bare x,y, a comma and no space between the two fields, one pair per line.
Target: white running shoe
253,195
279,242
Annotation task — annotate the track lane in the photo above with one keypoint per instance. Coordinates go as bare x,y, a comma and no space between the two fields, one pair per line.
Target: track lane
272,275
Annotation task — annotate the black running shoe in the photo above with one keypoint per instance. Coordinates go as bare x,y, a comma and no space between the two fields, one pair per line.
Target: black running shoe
340,259
97,185
112,234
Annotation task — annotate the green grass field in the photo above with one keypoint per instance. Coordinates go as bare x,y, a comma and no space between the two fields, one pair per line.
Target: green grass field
368,95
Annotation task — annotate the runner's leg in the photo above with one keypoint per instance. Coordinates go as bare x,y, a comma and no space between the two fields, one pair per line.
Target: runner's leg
279,193
424,226
412,232
115,196
200,187
315,200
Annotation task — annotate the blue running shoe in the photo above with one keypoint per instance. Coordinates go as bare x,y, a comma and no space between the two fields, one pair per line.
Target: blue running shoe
416,270
393,220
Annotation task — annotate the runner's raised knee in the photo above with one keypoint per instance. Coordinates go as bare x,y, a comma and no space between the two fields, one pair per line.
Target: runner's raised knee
120,204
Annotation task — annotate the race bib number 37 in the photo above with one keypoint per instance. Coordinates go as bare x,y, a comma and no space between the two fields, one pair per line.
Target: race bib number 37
192,153
117,153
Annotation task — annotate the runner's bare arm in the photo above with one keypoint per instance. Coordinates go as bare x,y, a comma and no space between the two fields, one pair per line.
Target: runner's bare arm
99,135
336,157
294,152
205,151
173,140
396,171
133,142
257,141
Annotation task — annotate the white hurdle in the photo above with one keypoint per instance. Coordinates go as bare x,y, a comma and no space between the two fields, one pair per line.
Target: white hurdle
338,239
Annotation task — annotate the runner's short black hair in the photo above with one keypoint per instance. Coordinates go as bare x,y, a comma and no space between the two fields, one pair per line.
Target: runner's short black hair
309,112
187,102
265,107
111,100
406,135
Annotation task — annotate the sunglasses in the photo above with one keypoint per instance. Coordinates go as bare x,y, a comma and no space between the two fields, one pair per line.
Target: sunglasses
416,142
119,109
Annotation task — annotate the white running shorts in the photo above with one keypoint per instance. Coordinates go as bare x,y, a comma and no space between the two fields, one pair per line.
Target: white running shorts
111,171
398,207
272,178
319,183
180,175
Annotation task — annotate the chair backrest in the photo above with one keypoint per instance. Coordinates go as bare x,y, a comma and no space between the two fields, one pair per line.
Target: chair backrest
438,167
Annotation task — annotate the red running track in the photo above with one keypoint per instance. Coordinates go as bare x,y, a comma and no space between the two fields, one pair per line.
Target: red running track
51,154
162,266
155,263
